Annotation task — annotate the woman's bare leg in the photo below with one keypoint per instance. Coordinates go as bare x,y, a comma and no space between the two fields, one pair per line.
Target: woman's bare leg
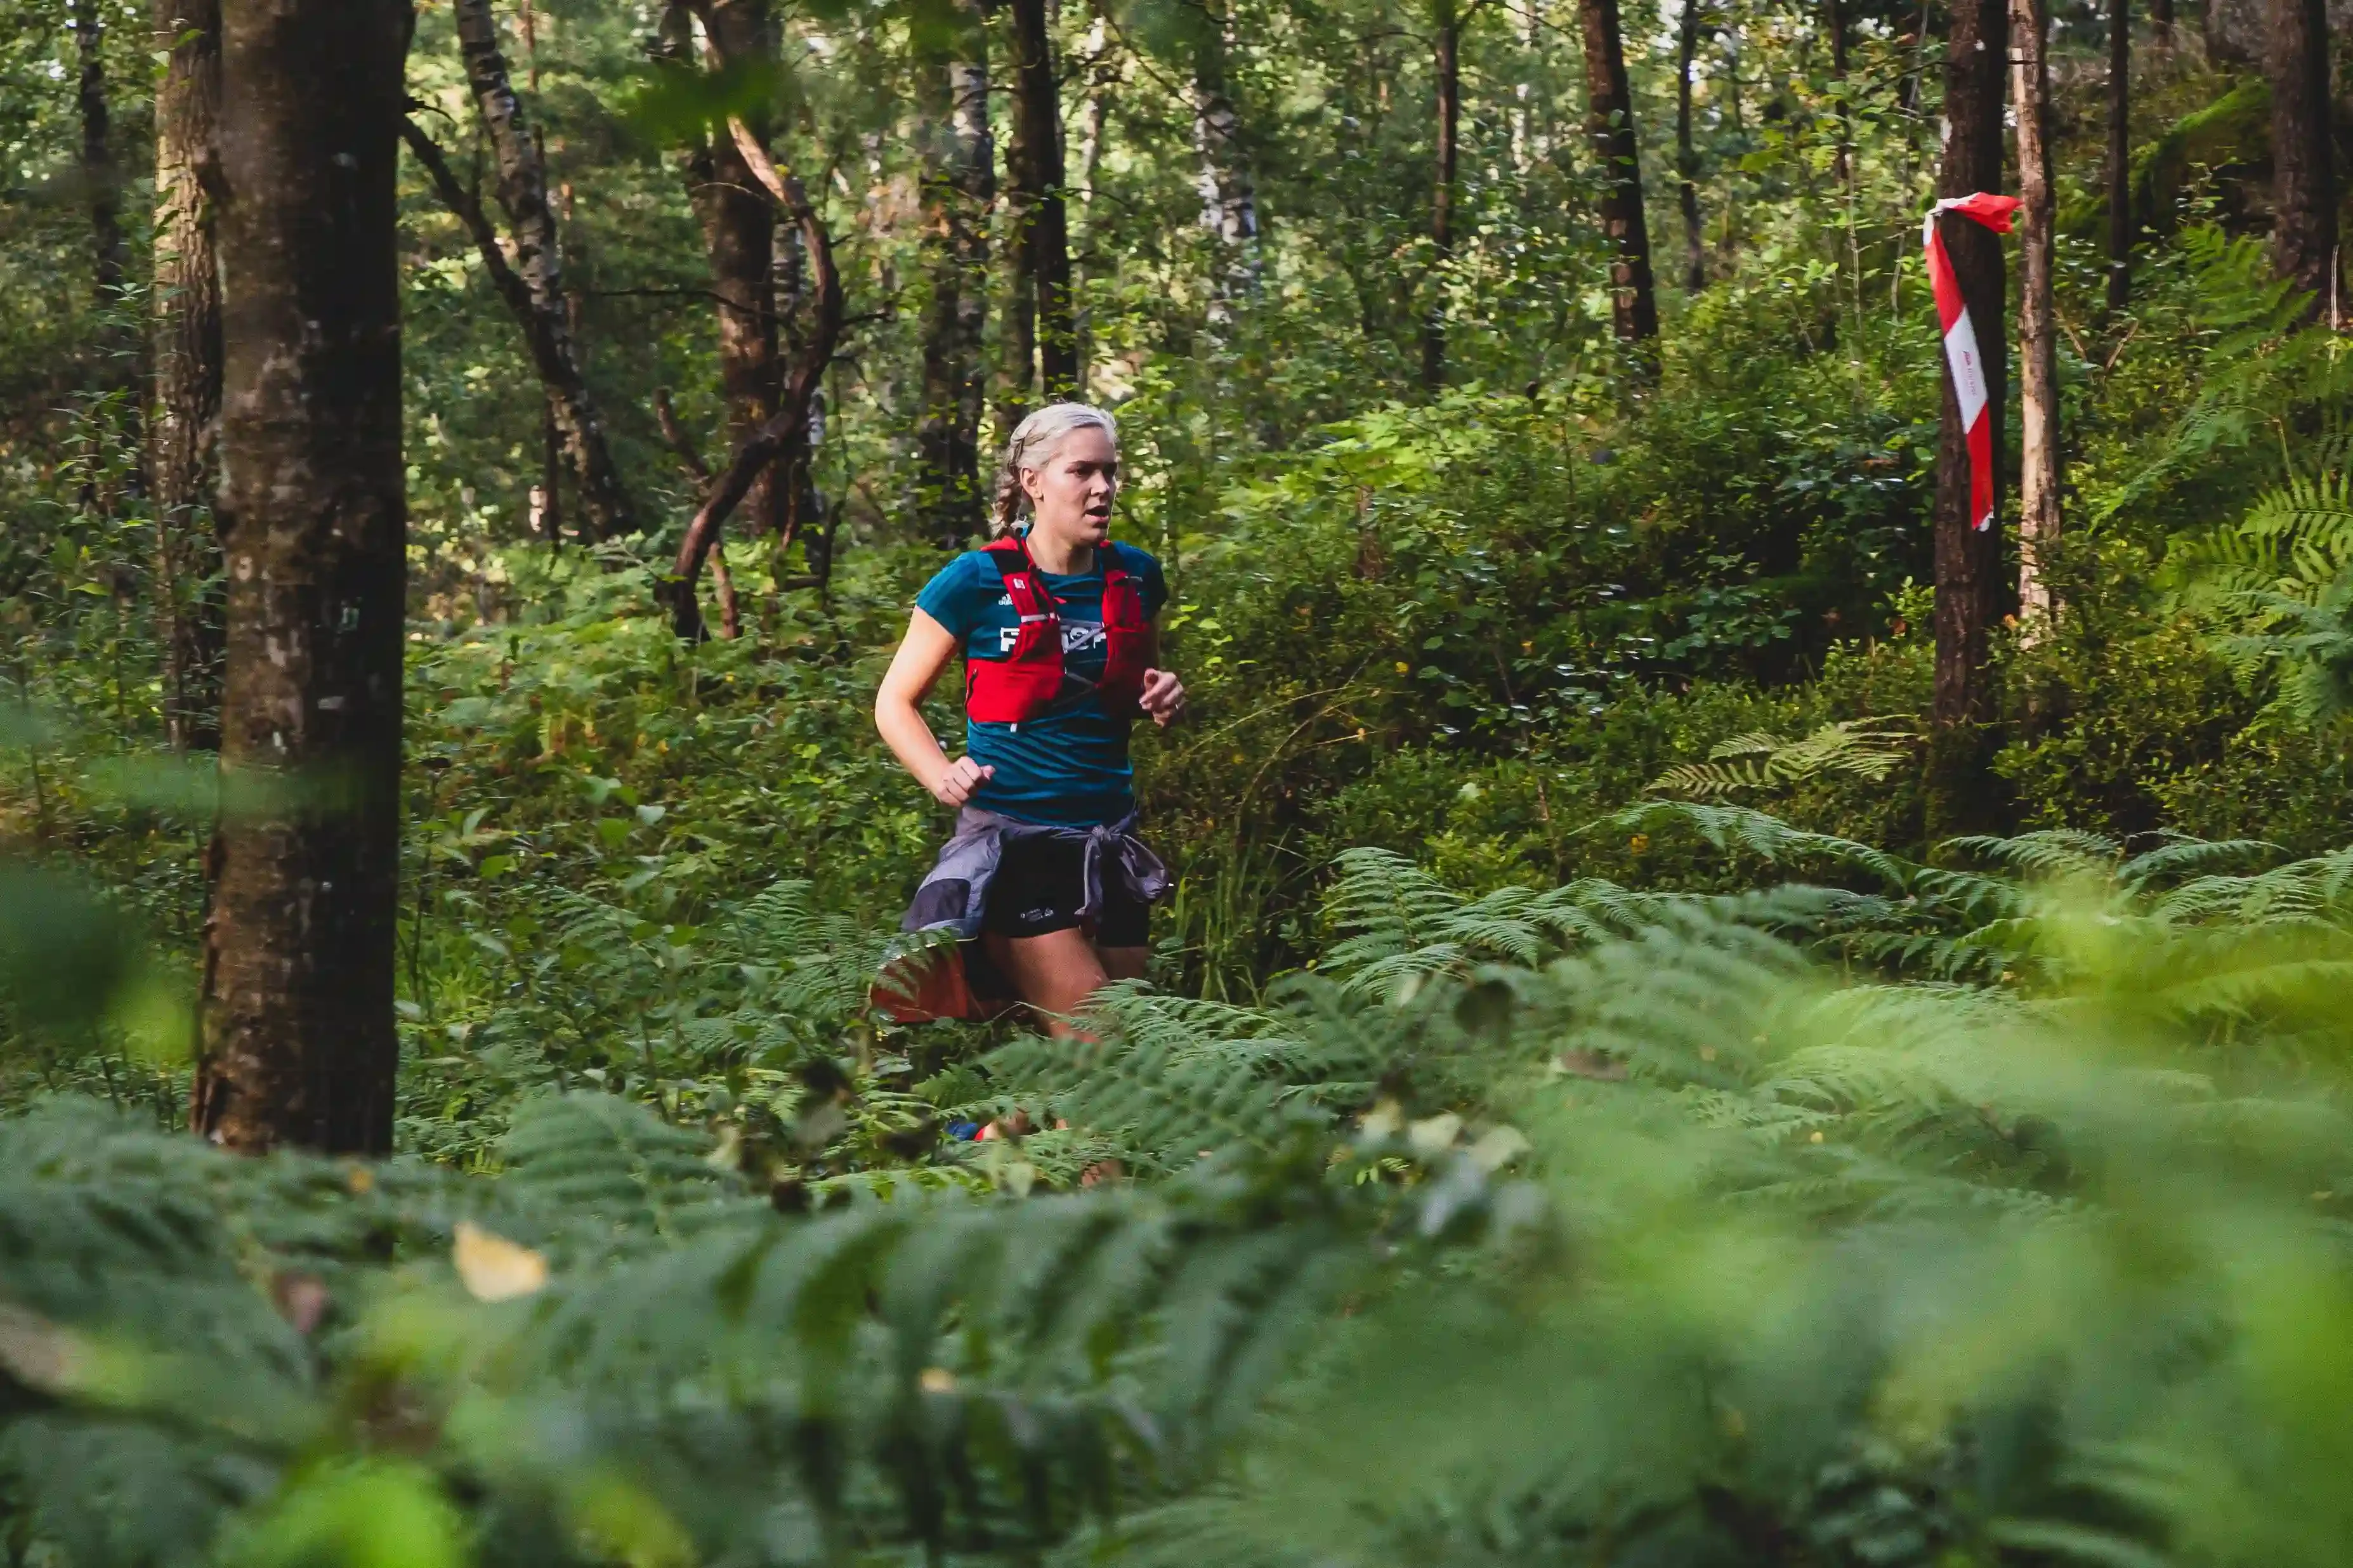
1055,973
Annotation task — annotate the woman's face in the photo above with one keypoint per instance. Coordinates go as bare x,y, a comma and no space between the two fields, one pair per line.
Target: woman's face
1071,493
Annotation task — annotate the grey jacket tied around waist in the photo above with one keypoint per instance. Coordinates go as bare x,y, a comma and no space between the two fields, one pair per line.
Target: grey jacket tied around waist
955,893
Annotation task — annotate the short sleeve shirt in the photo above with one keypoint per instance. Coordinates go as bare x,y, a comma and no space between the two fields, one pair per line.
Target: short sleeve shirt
1068,767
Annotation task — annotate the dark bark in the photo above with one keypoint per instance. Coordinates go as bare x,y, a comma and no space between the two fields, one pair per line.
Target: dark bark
1447,66
2120,204
739,238
2304,176
542,308
185,320
1042,238
959,186
1609,121
1686,157
1969,562
101,186
812,354
2160,25
299,1044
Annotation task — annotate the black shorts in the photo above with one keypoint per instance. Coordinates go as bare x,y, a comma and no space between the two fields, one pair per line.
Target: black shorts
1039,886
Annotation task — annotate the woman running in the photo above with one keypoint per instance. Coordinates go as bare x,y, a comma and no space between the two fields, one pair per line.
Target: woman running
1045,884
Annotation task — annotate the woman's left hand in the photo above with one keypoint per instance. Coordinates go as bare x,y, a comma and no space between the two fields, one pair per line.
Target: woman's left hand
1163,696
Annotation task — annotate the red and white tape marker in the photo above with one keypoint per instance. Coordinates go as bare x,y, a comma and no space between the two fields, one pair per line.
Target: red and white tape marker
1961,339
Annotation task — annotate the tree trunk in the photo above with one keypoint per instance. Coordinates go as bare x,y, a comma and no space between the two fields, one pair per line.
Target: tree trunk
1609,121
540,306
1449,68
298,1045
1686,158
1843,156
2120,208
1041,227
2303,179
1228,200
2160,25
959,184
100,187
184,432
790,426
739,238
1968,561
2038,335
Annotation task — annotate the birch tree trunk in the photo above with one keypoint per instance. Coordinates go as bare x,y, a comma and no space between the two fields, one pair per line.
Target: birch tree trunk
539,306
184,329
2304,178
2038,336
959,184
1968,561
1609,121
1448,20
1228,199
298,1046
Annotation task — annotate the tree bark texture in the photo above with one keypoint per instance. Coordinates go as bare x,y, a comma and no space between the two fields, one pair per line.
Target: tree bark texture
959,186
790,425
1040,224
101,187
2037,334
1447,68
1969,562
739,238
299,1044
2120,195
1609,121
1686,158
184,333
2304,176
1843,156
1228,199
541,308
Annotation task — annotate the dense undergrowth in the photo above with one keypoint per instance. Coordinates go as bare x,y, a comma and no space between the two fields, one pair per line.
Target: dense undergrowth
1576,1113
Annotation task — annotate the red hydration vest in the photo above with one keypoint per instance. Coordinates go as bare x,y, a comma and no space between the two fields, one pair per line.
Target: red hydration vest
1023,684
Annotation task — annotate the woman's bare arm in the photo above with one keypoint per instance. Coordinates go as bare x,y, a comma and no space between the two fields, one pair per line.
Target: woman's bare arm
914,670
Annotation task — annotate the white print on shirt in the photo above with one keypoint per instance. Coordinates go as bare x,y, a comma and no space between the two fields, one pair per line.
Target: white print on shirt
1078,636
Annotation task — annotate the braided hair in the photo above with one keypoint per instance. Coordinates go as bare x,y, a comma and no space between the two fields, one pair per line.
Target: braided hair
1033,445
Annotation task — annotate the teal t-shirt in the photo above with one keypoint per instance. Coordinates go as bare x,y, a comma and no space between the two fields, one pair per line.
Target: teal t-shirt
1068,767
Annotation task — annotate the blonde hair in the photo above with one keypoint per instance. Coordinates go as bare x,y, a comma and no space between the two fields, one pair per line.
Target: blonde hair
1035,441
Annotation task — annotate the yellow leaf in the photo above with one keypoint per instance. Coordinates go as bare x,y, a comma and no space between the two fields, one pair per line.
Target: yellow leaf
494,1268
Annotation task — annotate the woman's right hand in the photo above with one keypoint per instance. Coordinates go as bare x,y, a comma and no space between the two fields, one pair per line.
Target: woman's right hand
956,785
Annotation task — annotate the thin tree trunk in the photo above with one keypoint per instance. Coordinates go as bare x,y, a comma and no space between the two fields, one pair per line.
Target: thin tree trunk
2038,336
2303,180
299,1043
1968,561
1609,121
739,238
959,184
101,188
1228,200
2160,25
1042,226
184,430
1843,157
2120,208
539,305
1448,66
812,356
1686,157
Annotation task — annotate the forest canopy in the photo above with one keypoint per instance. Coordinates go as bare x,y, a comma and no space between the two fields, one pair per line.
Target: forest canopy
1759,877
